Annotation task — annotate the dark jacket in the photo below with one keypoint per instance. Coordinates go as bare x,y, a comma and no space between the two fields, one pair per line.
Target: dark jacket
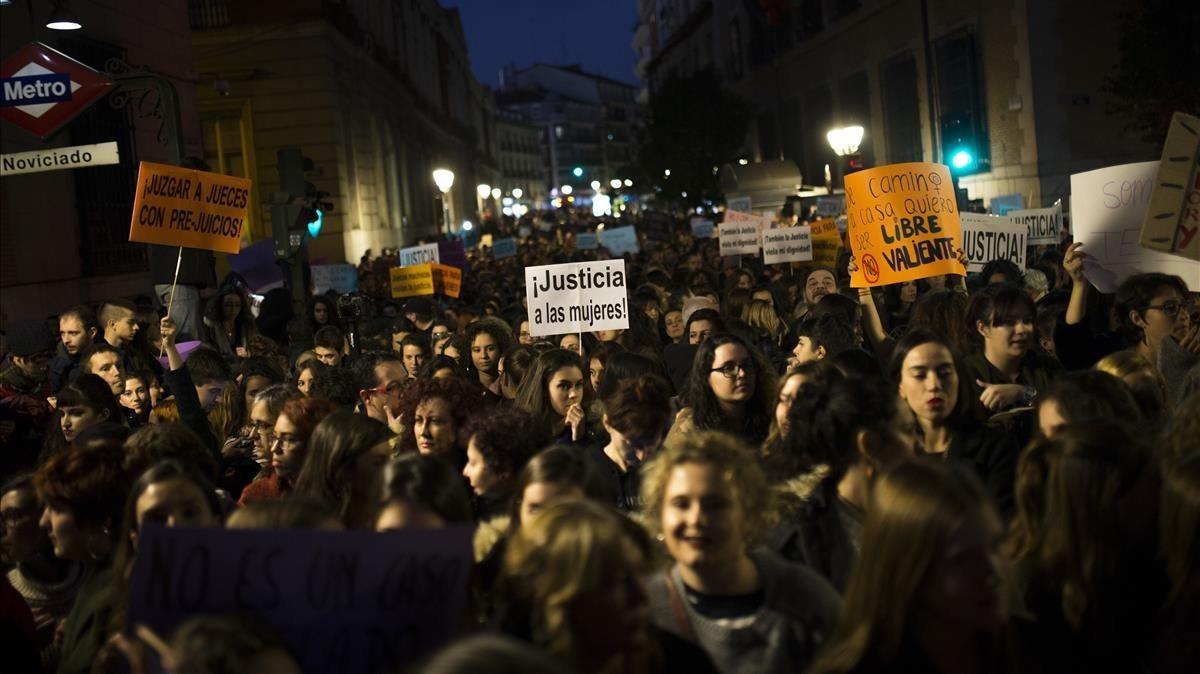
623,489
1079,347
811,530
190,412
63,370
992,454
85,629
195,269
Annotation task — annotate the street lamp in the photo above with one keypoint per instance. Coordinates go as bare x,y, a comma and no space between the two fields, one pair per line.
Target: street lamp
615,183
482,190
845,142
595,185
517,192
496,193
62,18
444,179
628,182
567,189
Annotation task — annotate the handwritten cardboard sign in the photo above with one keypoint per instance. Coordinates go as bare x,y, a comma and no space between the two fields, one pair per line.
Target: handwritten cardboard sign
1173,219
195,209
1108,207
739,234
991,237
827,242
577,297
787,244
902,221
414,255
412,281
620,240
1043,225
342,278
702,228
343,601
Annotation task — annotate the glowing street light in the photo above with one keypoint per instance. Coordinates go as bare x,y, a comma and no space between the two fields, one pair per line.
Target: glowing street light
517,192
666,173
845,140
595,185
628,182
496,193
483,190
615,183
444,179
567,189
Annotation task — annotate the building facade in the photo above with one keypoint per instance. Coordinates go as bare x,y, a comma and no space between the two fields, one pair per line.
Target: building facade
377,94
587,122
519,149
1021,80
64,234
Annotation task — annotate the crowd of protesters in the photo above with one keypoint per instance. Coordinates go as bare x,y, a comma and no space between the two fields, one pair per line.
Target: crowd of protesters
767,471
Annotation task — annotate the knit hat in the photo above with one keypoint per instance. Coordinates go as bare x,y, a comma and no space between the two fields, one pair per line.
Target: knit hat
28,338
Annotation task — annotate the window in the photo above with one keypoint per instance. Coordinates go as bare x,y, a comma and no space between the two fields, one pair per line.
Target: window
901,116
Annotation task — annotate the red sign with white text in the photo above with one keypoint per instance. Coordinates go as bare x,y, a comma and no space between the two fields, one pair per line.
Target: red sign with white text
43,89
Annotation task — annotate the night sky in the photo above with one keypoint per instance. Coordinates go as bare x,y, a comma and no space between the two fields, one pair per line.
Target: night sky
593,33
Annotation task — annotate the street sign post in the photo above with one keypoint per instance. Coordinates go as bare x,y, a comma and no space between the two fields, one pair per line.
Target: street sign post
44,89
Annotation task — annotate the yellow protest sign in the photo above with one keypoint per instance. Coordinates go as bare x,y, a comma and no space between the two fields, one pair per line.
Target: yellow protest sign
826,242
195,209
447,279
412,281
902,222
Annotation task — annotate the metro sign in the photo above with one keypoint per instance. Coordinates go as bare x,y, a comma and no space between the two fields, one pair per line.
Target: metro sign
42,89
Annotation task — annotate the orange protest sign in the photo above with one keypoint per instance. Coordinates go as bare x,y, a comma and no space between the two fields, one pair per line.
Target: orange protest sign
447,279
902,222
411,281
195,209
826,242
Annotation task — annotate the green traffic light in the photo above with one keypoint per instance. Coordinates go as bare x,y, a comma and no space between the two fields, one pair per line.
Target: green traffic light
961,159
578,171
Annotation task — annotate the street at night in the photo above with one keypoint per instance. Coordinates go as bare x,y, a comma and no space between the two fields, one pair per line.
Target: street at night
582,337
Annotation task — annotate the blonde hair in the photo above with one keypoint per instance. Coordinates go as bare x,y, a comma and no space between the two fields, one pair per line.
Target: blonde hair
566,550
736,462
761,316
1143,380
915,509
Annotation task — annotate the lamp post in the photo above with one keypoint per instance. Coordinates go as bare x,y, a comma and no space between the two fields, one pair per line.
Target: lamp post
845,142
482,191
444,179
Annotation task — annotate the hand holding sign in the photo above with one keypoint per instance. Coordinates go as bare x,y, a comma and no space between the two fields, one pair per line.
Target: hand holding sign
903,225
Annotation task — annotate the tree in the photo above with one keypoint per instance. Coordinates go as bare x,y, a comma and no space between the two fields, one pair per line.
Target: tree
694,124
1157,73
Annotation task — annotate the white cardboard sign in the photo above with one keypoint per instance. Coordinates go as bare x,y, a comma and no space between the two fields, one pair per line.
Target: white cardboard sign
739,234
1108,207
577,297
1043,224
991,237
787,244
419,255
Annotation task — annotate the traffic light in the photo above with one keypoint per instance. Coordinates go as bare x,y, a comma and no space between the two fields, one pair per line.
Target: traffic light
293,167
577,171
306,206
964,144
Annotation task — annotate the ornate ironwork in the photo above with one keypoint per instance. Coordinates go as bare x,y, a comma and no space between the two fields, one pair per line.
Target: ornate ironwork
149,96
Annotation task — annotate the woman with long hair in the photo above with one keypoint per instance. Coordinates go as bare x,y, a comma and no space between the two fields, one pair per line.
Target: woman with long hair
729,389
930,377
1091,568
294,426
927,593
1143,379
322,311
751,611
774,448
556,393
1176,649
228,323
572,587
844,435
346,453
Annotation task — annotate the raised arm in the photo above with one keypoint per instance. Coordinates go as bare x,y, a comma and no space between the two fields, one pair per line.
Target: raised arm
1073,265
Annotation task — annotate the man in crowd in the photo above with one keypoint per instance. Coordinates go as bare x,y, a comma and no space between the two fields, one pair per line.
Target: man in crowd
24,393
381,376
118,320
420,311
329,343
104,361
77,330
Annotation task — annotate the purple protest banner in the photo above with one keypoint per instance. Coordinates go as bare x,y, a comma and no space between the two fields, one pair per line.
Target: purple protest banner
343,601
453,253
256,263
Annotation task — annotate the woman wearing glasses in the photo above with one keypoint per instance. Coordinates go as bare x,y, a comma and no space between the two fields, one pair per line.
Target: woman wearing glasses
1149,308
293,426
730,389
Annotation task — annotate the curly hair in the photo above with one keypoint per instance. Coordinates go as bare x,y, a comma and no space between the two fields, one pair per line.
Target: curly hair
461,398
737,464
506,437
495,328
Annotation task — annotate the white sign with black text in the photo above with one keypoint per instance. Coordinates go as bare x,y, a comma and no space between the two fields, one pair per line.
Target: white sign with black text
739,234
577,297
1044,224
59,158
419,255
991,237
787,244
